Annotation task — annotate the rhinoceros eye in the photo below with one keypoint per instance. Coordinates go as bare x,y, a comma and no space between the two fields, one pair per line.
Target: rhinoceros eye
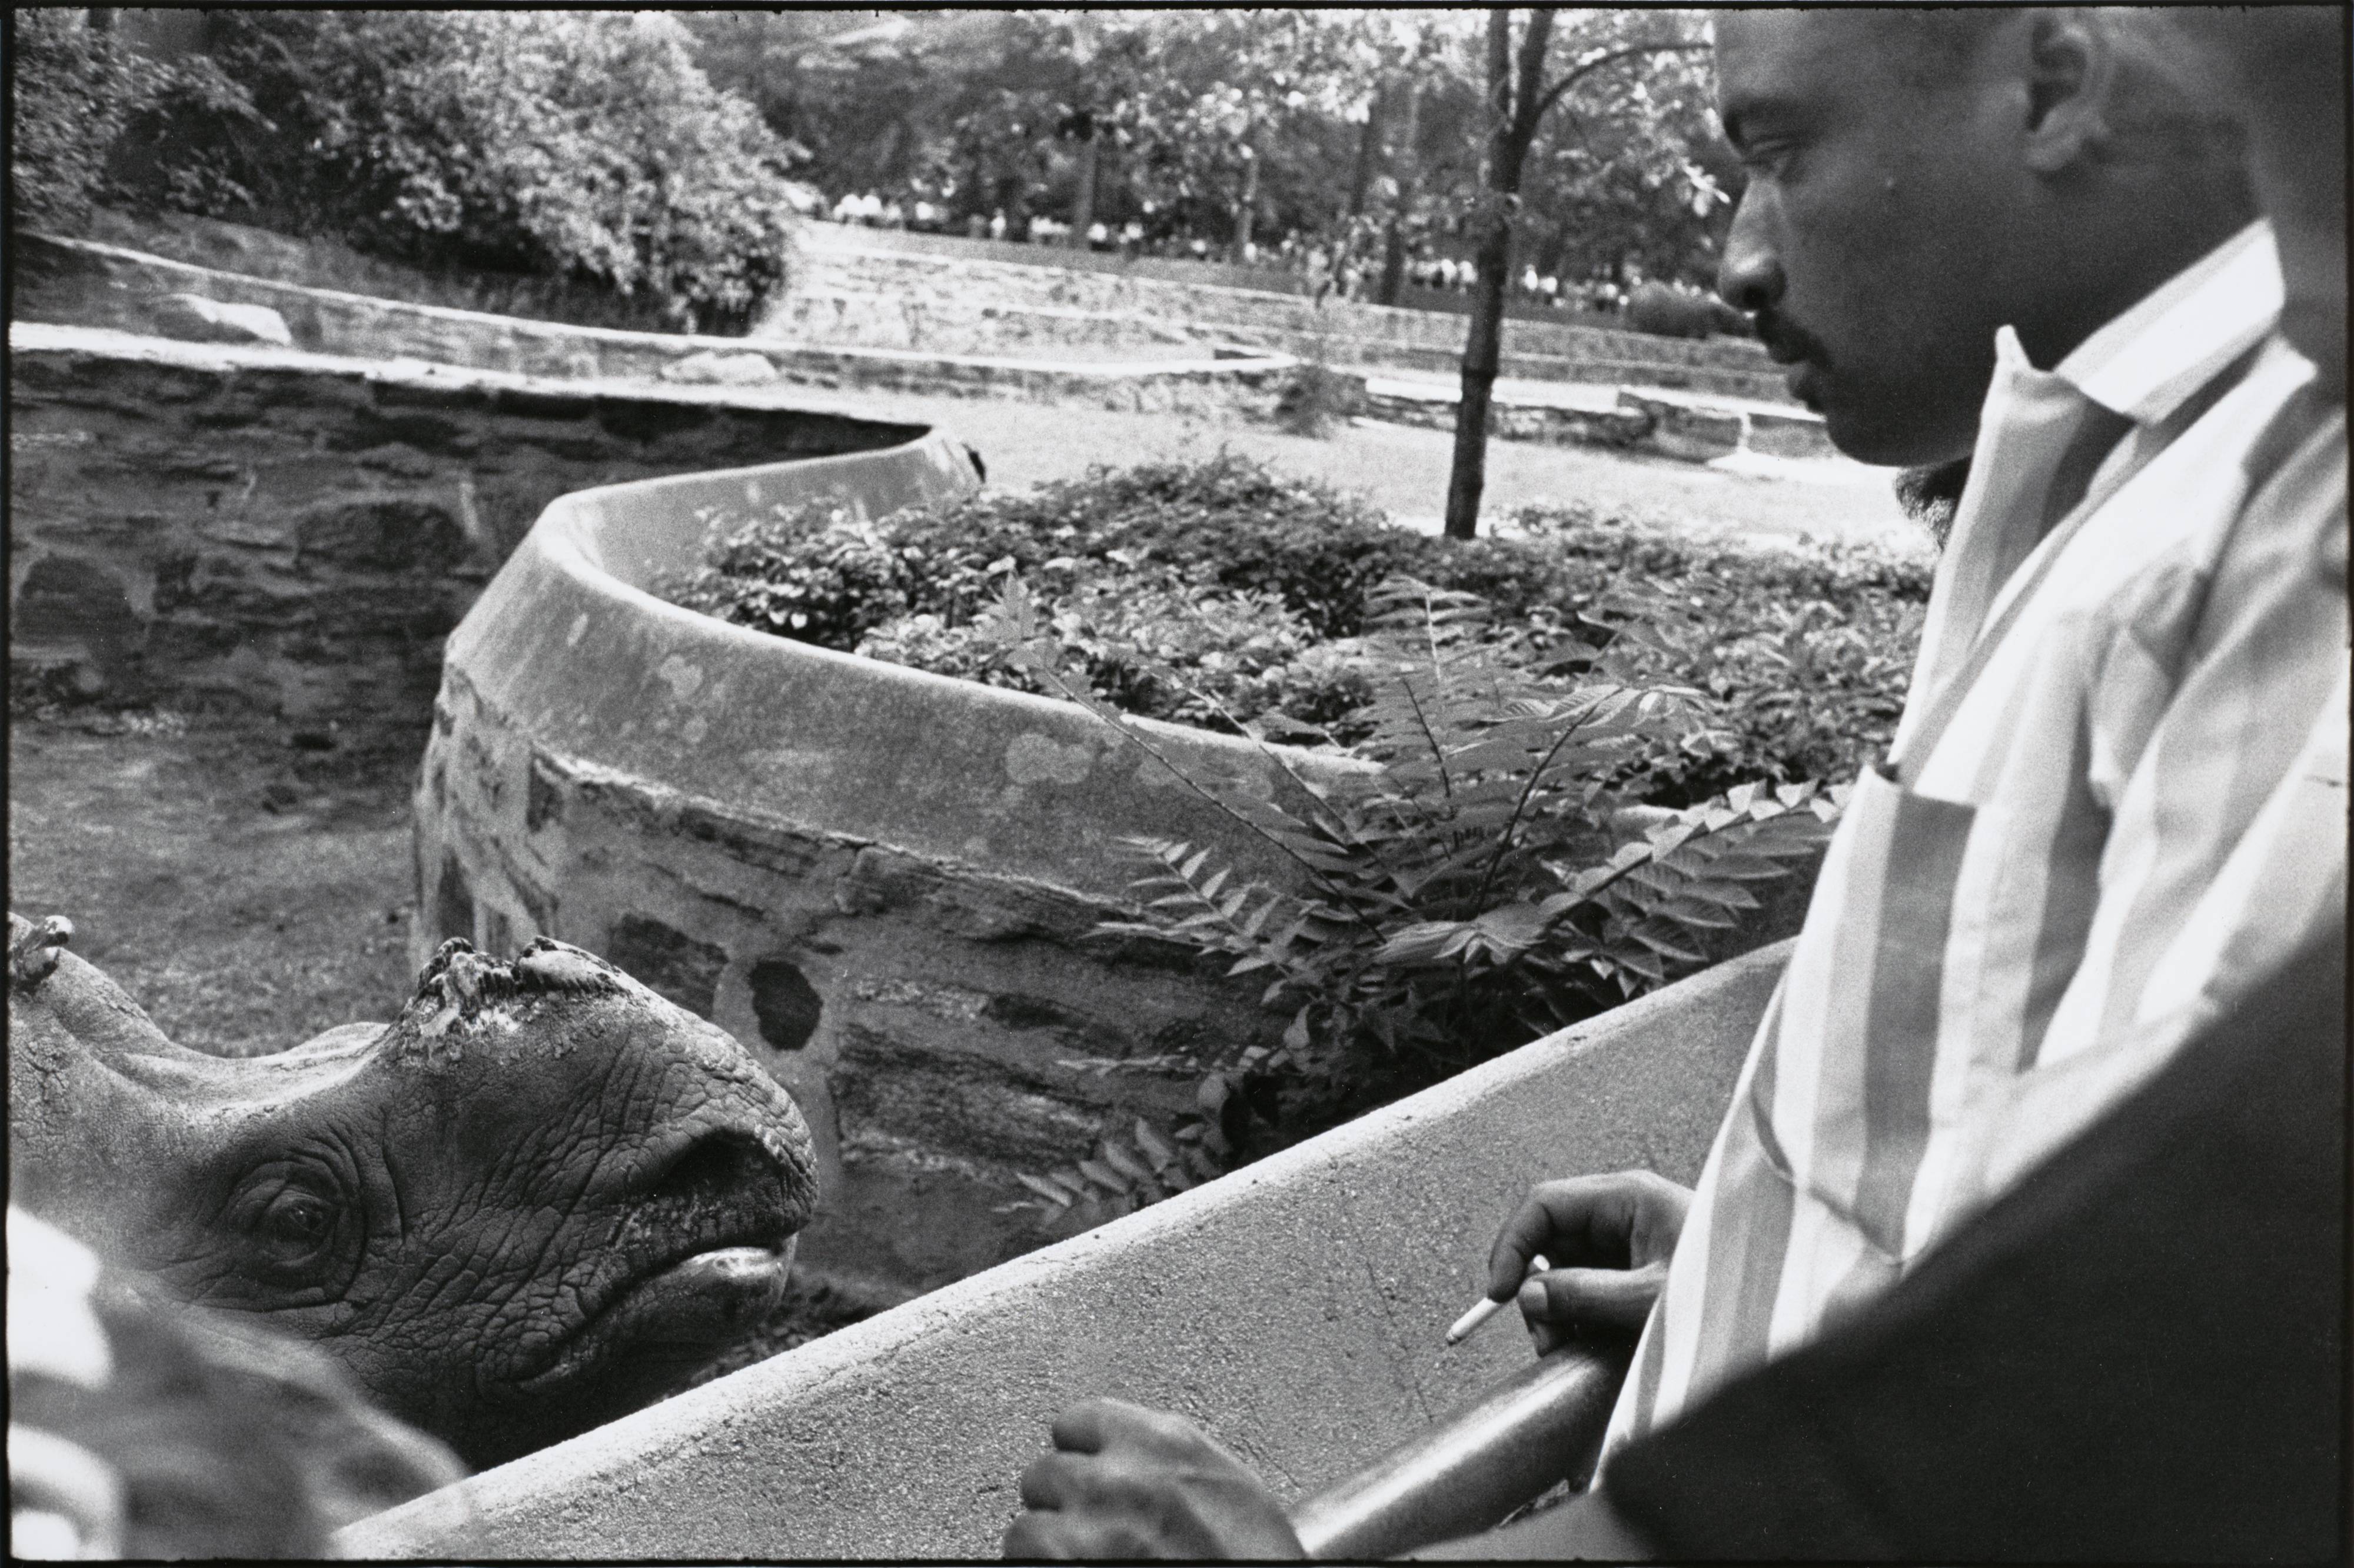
297,1223
295,1227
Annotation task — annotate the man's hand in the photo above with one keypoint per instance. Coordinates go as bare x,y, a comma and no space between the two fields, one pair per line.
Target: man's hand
1609,1237
1127,1482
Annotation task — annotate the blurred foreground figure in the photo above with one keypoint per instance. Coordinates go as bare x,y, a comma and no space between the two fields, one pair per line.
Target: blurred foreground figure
2023,1236
140,1429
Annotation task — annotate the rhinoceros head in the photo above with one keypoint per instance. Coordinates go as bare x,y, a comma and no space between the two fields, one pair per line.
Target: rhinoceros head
539,1198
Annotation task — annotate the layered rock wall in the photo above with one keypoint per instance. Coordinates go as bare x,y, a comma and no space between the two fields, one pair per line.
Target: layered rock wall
1008,351
855,286
296,533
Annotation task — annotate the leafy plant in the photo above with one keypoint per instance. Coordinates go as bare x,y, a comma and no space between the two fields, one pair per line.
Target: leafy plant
580,145
76,89
1316,397
1478,889
810,571
1255,590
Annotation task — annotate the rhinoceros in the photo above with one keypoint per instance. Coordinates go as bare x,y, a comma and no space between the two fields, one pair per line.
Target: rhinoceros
539,1198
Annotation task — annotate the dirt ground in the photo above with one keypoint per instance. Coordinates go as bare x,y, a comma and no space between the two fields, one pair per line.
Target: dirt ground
248,894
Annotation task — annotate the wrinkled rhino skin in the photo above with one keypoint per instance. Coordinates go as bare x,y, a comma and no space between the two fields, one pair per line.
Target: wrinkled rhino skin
538,1199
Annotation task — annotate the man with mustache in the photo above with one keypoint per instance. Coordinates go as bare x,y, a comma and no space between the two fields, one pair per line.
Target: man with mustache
2116,807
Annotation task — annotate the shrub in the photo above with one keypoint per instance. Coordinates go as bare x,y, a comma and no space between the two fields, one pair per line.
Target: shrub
584,145
813,572
76,90
1316,397
1476,891
1250,590
1804,654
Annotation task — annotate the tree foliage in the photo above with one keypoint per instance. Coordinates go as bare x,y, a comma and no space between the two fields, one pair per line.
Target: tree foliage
1343,124
77,87
584,144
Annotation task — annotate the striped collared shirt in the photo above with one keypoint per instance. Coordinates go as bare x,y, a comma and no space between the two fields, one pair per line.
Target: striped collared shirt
2131,796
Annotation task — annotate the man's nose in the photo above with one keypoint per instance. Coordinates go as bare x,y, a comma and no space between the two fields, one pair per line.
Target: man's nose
1750,277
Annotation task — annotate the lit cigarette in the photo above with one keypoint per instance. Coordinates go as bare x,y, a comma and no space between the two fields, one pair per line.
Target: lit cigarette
1488,1308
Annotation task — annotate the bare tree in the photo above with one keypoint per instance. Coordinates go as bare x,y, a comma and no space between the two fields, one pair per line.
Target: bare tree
1517,98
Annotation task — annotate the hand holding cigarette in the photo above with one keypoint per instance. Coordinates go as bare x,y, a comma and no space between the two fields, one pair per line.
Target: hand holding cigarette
1469,1324
1610,1240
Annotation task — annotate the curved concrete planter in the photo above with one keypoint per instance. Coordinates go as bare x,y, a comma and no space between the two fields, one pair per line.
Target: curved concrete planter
881,879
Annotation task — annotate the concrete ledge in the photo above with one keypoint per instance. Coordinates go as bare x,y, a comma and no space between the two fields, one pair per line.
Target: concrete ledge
874,261
1295,1309
569,645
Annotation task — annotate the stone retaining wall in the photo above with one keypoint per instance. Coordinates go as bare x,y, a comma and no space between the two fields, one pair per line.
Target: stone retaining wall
297,534
883,881
892,286
1294,1309
84,282
1638,423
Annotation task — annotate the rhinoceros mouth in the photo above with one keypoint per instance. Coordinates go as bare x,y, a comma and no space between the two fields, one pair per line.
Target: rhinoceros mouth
703,1253
678,1315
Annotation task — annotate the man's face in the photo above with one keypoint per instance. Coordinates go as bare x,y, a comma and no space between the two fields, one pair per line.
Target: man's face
1866,244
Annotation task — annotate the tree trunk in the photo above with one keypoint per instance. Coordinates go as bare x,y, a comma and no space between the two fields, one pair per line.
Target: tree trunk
1244,208
1512,121
1514,110
1369,142
1482,354
1083,205
1407,163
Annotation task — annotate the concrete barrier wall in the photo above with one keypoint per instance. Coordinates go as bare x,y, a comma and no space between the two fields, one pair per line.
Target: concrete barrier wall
1295,1309
297,533
322,261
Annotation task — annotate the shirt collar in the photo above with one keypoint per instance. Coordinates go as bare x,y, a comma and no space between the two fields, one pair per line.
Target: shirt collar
2147,361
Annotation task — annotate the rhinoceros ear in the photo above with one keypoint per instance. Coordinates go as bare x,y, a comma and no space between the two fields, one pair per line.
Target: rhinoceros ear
557,966
33,950
440,961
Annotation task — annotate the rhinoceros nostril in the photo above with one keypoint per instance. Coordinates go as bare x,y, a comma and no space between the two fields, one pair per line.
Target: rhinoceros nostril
715,1163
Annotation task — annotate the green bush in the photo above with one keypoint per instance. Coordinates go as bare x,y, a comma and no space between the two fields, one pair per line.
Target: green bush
76,90
584,145
1803,653
1476,890
1220,593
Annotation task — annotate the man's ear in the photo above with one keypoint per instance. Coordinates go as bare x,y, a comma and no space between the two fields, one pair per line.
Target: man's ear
2071,69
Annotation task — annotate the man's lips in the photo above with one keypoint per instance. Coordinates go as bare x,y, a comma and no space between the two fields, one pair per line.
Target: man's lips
1788,347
